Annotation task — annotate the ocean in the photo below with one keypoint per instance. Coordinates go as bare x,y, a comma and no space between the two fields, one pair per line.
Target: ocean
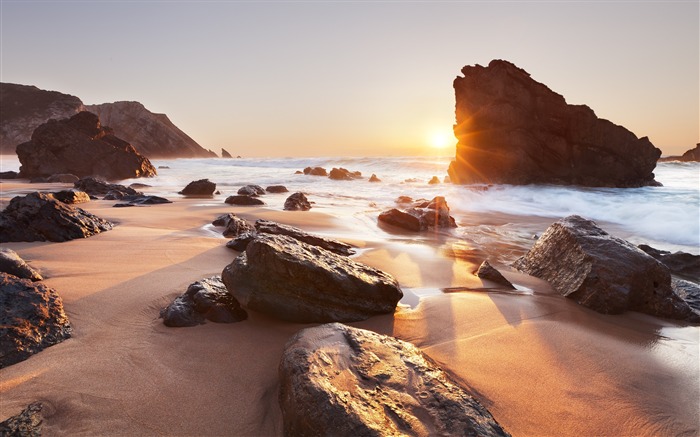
666,217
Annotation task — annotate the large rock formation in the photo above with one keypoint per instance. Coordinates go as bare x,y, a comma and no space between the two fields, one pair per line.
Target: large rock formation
40,217
609,275
26,107
341,381
514,130
692,155
31,319
82,146
152,135
297,282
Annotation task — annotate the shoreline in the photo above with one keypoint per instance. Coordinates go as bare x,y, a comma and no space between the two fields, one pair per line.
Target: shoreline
540,363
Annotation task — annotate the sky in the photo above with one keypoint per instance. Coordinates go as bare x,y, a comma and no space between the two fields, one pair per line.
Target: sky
356,78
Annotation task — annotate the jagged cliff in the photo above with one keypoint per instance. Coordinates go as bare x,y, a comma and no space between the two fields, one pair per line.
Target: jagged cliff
153,135
514,130
23,108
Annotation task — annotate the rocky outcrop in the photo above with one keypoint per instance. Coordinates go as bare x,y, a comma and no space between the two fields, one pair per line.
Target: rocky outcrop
336,380
32,319
12,264
297,202
243,200
40,217
609,275
25,424
422,215
26,107
206,299
225,154
81,146
294,281
202,187
692,155
514,130
679,263
374,178
488,272
335,246
152,135
434,180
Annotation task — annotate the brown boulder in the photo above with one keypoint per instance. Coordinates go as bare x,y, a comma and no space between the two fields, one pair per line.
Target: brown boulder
335,246
514,130
315,171
202,187
81,146
488,272
336,380
243,200
297,202
12,264
206,299
421,216
609,275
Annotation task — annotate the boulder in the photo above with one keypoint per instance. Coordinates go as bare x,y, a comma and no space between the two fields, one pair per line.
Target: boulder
692,155
225,154
277,189
604,273
25,424
81,146
243,200
202,187
9,174
335,246
434,180
223,219
152,135
679,263
315,171
139,199
64,178
236,226
12,264
40,217
688,291
514,130
342,174
251,190
297,202
488,272
421,216
72,196
374,178
337,380
294,281
206,299
98,187
32,319
25,107
241,241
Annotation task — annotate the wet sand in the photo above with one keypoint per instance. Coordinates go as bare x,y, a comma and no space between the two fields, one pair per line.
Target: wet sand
543,365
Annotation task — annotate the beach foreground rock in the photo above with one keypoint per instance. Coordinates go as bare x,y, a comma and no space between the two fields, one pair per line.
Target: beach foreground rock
11,263
294,281
421,216
25,424
31,319
80,145
341,381
206,299
41,217
609,275
514,130
202,187
335,246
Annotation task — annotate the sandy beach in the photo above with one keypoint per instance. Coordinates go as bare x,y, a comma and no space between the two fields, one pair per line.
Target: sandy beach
543,365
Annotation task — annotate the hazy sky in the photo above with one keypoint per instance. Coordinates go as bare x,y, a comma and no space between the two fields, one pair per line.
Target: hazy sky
355,78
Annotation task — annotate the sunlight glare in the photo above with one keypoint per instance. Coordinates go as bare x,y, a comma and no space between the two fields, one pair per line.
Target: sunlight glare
441,139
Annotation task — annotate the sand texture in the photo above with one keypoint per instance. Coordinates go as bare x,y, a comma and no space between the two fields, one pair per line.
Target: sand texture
541,364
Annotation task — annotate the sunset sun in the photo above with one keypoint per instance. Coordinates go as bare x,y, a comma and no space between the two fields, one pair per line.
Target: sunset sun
441,139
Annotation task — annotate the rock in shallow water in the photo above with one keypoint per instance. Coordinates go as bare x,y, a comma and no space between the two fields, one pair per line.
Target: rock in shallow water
421,216
294,281
609,275
31,319
202,187
341,381
297,202
488,272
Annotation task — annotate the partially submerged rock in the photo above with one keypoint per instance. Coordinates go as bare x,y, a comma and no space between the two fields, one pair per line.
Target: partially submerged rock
251,190
434,180
12,264
206,299
243,200
98,187
294,281
32,319
335,246
514,130
488,272
80,145
40,217
609,275
297,202
202,187
25,424
679,263
421,216
374,178
343,174
336,380
277,189
315,171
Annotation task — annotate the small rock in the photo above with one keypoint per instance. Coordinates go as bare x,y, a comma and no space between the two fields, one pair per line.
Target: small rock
8,175
225,154
72,196
223,219
374,178
297,202
26,424
315,171
12,264
251,190
277,189
237,226
342,174
243,200
65,178
488,272
207,299
98,187
202,187
241,241
434,180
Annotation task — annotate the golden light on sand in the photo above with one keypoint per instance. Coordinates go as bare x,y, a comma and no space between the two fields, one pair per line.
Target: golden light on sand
441,139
